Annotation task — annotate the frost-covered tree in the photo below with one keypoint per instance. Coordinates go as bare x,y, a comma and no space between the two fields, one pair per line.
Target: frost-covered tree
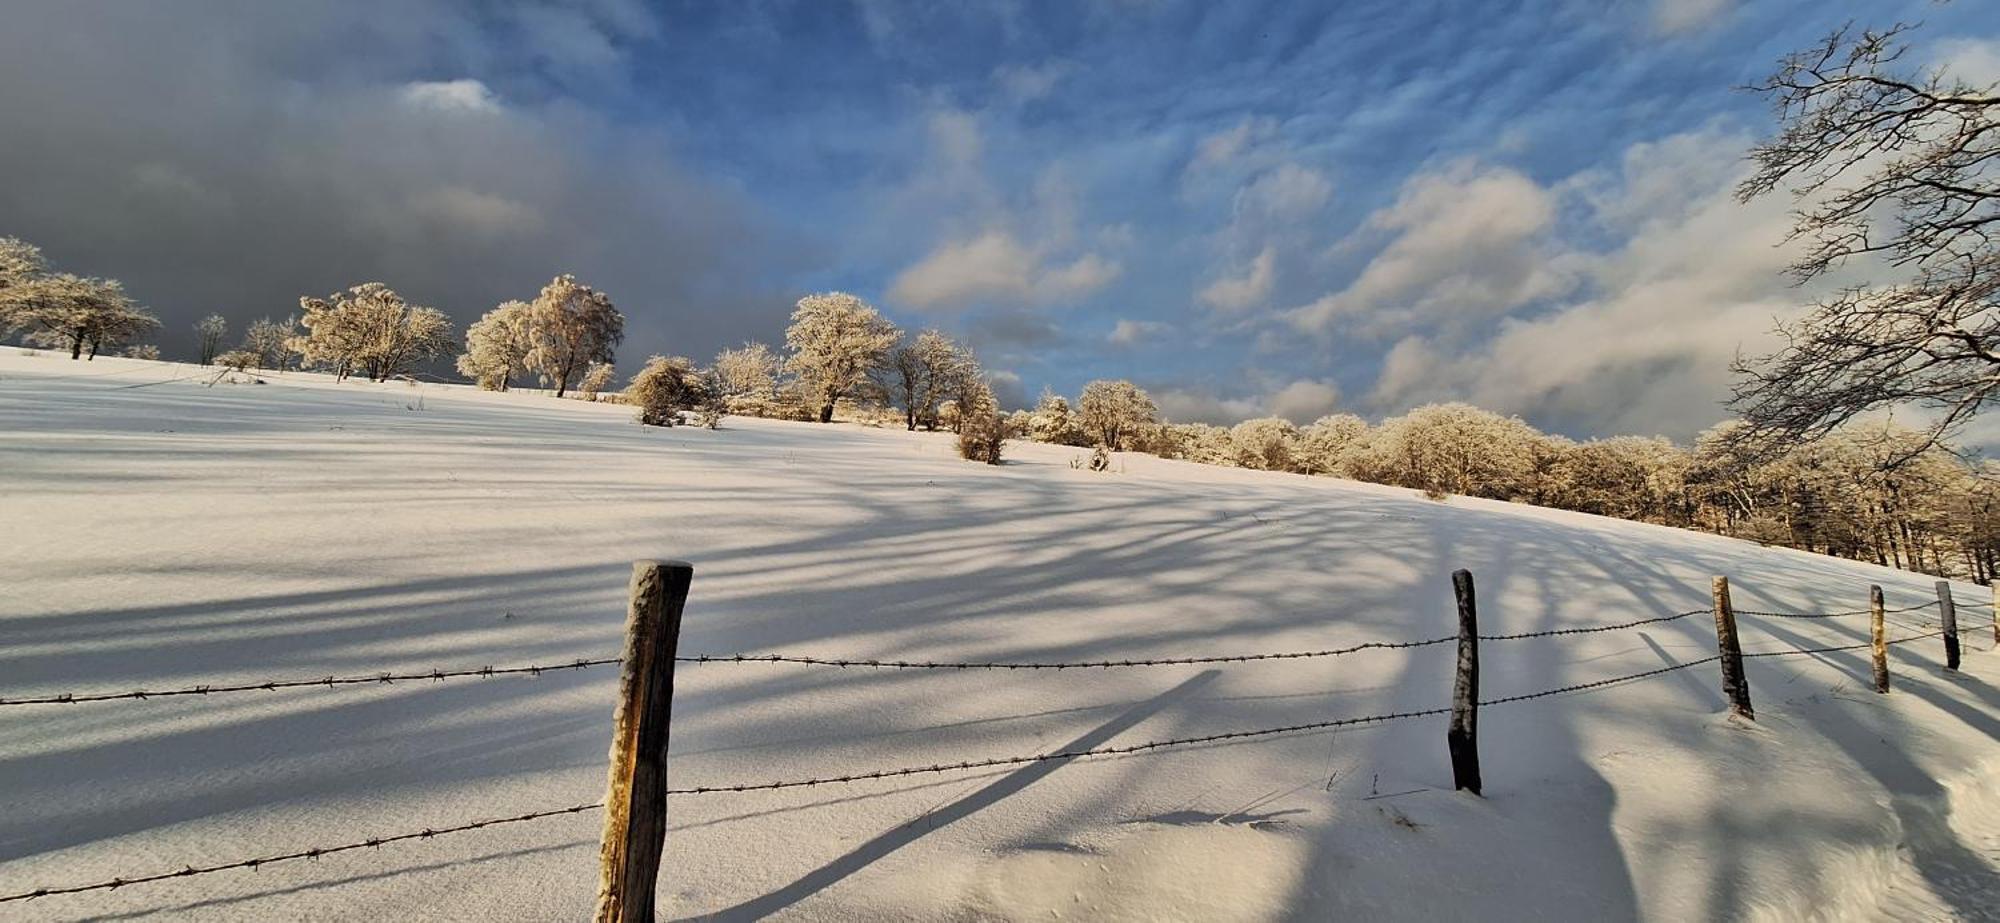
208,334
570,326
595,379
1053,422
1266,444
836,341
749,371
266,344
1629,477
1109,411
927,372
21,263
497,346
1451,449
340,329
982,431
1330,443
372,329
665,388
64,311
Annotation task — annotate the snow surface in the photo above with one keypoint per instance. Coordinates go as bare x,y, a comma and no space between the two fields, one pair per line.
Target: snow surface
160,532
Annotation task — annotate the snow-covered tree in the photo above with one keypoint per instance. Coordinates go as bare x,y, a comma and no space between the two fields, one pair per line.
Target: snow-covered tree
1053,422
836,341
78,314
1266,444
927,372
266,345
497,346
749,371
570,326
595,379
208,334
1451,449
20,264
370,328
982,433
1330,442
665,388
1109,411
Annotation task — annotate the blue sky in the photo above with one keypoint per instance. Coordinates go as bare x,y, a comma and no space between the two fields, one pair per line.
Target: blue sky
1249,208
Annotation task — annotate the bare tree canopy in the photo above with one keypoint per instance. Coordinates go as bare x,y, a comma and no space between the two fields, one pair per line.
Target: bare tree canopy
1894,170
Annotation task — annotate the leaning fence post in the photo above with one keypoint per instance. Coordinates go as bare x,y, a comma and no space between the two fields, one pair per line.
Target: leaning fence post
1949,617
1463,738
635,800
1879,639
1734,684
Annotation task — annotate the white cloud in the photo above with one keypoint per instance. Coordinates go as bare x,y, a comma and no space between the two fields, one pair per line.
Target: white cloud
1680,17
956,137
1975,61
1224,146
1645,344
460,210
1026,83
1240,293
465,95
1288,193
995,266
1467,241
1301,401
1128,332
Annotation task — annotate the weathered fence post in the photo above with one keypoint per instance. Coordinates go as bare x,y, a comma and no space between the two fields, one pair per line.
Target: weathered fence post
635,800
1949,617
1878,636
1463,738
1734,684
1995,584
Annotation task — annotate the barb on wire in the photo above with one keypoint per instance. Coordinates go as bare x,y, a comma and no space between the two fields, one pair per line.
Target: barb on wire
1593,629
1598,684
1864,645
70,698
1831,615
1052,665
1057,755
312,853
431,832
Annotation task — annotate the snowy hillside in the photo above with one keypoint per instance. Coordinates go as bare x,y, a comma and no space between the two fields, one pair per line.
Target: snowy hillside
160,533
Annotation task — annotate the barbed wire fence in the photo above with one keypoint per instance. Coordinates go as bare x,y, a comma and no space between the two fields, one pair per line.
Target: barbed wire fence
652,641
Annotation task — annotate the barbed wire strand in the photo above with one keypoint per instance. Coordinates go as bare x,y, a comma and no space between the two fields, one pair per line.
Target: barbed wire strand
1056,665
189,871
966,765
70,698
1832,615
1593,629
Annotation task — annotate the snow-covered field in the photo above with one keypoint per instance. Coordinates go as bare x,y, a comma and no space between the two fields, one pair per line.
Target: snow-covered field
160,532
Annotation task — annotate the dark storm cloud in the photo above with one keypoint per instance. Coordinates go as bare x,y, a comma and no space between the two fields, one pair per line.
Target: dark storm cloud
231,157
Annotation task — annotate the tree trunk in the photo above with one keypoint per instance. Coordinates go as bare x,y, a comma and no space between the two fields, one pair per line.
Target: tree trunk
76,346
826,412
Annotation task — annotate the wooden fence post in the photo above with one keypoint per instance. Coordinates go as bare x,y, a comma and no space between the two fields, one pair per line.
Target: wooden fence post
1734,684
1463,738
1948,616
1879,637
635,800
1996,613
